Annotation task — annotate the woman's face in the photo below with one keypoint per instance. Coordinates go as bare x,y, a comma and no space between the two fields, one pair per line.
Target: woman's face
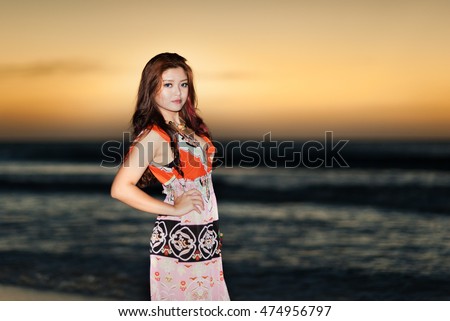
173,93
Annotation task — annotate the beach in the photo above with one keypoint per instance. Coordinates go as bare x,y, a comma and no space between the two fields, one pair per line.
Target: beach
360,233
15,293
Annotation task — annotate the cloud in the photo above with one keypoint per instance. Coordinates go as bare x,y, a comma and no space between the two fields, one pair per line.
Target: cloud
46,68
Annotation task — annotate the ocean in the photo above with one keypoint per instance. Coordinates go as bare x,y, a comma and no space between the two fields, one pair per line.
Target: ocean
375,230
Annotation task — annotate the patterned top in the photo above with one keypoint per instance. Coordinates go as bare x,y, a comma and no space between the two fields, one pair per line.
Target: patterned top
195,162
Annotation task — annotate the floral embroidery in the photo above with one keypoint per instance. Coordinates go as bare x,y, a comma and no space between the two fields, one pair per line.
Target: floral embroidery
208,241
182,243
197,255
186,242
158,239
183,285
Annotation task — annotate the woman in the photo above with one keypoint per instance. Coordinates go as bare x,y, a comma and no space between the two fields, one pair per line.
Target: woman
173,144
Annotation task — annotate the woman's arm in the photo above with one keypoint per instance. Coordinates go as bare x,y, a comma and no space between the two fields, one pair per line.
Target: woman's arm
124,185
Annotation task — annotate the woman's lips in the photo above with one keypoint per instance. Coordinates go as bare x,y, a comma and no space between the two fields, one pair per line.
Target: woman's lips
177,101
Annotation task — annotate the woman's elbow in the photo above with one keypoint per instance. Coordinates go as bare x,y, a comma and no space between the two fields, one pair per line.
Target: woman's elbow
115,191
120,189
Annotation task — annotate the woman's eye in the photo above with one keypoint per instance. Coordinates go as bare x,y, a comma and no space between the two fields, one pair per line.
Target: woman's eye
185,85
168,85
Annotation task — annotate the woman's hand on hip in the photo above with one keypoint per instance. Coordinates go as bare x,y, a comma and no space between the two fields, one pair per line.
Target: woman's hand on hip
191,200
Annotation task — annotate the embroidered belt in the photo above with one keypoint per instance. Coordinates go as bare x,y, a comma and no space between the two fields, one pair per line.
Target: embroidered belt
188,243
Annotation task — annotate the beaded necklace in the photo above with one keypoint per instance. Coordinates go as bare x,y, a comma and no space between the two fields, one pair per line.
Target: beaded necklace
186,133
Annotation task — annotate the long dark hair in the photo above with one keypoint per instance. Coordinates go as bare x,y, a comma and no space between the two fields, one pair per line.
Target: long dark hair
147,113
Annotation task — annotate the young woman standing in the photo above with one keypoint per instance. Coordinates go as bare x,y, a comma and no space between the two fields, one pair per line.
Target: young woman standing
173,144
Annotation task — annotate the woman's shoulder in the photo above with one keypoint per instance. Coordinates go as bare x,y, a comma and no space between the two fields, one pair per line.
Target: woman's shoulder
152,133
150,137
156,130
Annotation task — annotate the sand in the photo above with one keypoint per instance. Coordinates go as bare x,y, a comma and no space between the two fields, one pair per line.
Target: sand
14,293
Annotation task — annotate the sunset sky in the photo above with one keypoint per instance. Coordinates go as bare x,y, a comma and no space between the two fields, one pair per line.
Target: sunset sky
362,69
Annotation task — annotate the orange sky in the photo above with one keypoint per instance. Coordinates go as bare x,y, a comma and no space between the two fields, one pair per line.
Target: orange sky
362,69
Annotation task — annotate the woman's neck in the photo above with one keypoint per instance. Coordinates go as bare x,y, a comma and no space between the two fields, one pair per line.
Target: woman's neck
172,117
